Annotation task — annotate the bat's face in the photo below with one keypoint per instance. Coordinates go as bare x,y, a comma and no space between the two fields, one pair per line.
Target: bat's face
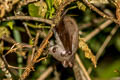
66,33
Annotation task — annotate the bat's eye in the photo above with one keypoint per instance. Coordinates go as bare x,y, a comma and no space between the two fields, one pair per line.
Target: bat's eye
54,49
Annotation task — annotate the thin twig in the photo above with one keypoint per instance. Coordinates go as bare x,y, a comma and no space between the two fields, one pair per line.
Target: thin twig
12,41
45,74
97,30
104,45
36,38
84,26
12,49
4,68
17,46
25,2
10,66
43,58
35,43
78,73
82,67
37,55
100,12
107,40
9,39
89,24
28,31
27,18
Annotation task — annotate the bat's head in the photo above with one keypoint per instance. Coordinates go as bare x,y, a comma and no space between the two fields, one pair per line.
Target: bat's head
61,55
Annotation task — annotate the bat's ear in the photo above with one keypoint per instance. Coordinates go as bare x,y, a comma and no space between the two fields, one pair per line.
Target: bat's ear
51,43
65,12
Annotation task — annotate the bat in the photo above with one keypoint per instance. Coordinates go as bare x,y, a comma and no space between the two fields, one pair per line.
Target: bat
66,34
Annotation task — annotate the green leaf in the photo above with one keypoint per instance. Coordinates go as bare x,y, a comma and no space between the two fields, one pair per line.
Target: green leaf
10,24
17,35
51,13
81,6
50,4
51,9
38,9
33,10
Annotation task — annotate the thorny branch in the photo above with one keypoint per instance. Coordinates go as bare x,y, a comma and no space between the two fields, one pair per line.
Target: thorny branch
37,55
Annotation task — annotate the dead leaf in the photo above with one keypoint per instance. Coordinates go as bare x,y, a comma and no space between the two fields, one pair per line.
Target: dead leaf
88,52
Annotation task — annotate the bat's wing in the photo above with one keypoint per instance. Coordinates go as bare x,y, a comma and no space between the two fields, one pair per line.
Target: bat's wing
64,35
72,29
